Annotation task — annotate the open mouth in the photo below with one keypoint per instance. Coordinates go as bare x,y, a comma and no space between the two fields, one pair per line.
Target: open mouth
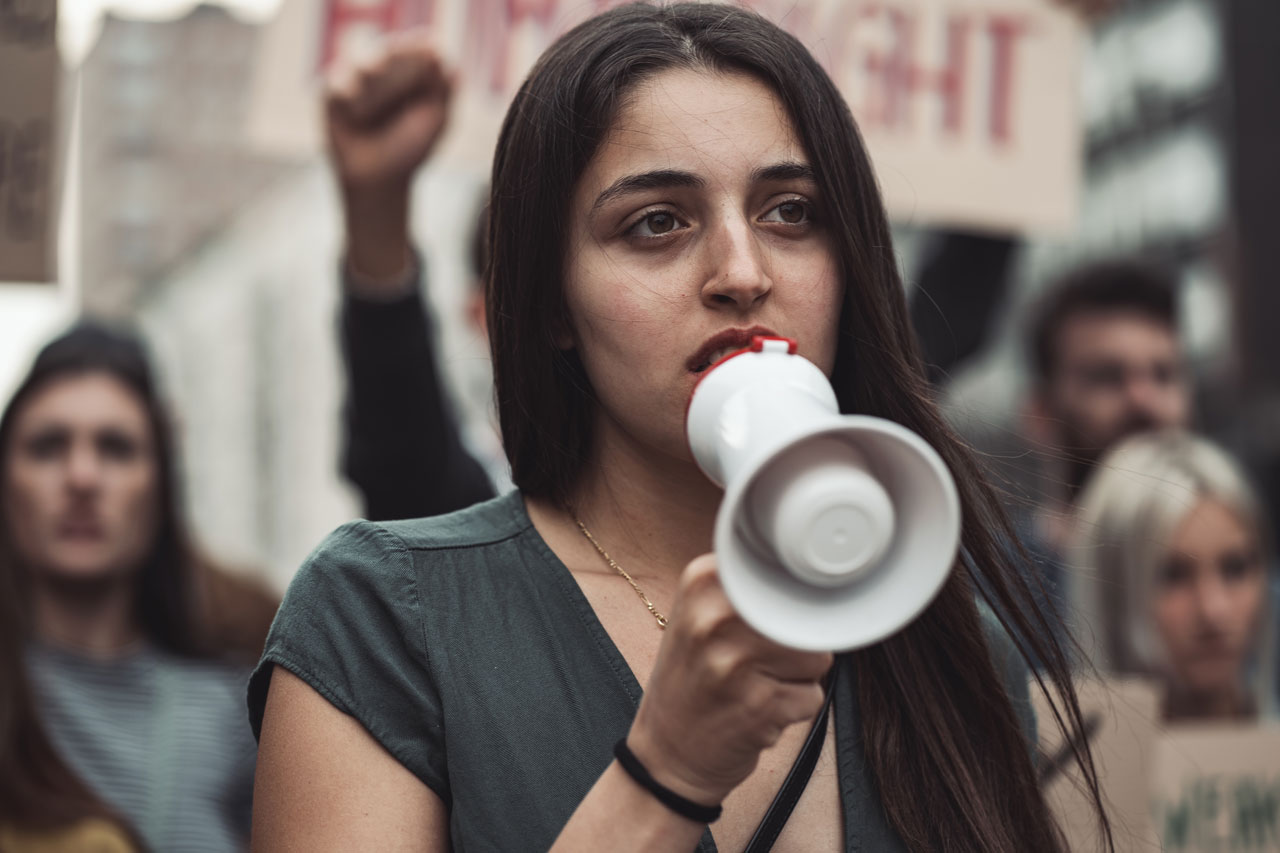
718,356
724,344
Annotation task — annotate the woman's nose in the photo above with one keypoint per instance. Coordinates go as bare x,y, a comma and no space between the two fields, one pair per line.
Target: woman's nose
738,270
1214,603
84,468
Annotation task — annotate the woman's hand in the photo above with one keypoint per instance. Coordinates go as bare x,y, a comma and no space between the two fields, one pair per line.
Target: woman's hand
384,117
720,693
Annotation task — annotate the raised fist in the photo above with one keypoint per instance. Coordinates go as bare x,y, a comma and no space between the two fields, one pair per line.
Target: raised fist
384,115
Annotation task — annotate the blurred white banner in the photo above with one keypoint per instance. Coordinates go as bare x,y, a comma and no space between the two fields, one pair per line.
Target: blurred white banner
969,107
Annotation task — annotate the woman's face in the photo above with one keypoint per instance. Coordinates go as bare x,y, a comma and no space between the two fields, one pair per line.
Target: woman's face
1209,598
697,224
81,488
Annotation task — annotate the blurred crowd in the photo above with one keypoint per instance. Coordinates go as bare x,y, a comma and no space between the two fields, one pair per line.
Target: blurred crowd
124,647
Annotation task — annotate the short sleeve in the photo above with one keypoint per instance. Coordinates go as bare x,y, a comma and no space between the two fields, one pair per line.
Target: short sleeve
1013,671
350,626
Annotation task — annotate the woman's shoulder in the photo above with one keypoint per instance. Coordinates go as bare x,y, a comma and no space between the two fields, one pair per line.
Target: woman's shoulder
998,640
398,564
1011,667
479,526
487,523
380,610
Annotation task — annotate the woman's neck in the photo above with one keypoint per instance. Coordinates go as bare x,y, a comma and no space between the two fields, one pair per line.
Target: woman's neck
1182,705
653,513
96,619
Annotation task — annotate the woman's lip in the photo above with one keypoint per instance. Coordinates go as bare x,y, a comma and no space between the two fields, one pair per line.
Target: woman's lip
736,338
80,530
1215,649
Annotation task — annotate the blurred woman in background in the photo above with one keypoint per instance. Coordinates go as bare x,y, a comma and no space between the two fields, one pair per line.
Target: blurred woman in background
135,647
1169,579
44,806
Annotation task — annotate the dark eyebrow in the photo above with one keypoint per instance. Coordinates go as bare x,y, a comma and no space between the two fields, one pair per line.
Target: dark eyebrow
790,171
656,180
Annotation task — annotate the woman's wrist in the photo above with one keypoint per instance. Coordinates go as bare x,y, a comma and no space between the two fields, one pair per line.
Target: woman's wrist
663,764
377,230
699,812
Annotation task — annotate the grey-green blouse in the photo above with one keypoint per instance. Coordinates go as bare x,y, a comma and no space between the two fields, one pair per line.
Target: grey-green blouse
465,647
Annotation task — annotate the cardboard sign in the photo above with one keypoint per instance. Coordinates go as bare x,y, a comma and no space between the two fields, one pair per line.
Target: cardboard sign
1121,721
969,107
1182,789
28,100
1217,789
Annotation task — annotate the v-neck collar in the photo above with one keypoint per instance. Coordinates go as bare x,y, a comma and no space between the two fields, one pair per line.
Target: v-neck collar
858,796
608,649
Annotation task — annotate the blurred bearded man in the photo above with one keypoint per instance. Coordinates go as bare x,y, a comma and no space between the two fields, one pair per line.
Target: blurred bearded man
1106,362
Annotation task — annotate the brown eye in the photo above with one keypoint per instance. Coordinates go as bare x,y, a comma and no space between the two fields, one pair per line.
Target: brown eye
1176,572
47,444
657,223
1104,376
117,446
790,213
1237,565
661,223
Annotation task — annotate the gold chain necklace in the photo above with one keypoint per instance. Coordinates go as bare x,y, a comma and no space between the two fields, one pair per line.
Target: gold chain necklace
613,564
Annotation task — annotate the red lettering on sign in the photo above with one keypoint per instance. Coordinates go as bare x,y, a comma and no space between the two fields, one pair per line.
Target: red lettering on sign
949,80
386,15
896,77
539,10
880,56
491,26
1004,31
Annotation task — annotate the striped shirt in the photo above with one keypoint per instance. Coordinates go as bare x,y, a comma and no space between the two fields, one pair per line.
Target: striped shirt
164,740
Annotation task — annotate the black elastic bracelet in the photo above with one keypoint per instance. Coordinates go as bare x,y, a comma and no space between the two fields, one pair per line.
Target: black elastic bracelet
666,796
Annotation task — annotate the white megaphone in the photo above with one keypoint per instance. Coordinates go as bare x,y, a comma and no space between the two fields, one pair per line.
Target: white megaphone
835,530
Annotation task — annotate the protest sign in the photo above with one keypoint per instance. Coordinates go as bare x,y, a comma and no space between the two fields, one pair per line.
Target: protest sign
969,107
1204,788
28,102
1121,724
1216,789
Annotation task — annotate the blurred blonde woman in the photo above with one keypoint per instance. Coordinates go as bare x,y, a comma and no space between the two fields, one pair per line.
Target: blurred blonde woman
1169,557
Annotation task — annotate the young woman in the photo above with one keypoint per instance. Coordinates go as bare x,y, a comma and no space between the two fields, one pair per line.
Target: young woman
131,642
44,806
669,181
1169,576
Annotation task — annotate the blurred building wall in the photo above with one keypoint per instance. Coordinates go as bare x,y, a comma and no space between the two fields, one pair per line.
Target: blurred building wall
242,332
163,163
245,334
228,258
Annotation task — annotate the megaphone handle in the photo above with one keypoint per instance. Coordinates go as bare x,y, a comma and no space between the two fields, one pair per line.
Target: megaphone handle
789,794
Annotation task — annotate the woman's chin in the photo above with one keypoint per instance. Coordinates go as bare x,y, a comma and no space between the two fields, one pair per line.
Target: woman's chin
1211,679
84,564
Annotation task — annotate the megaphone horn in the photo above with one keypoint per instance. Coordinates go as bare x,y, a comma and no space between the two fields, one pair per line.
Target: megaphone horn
835,531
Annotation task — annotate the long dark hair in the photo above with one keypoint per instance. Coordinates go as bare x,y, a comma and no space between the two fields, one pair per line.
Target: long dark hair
185,604
942,739
38,791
